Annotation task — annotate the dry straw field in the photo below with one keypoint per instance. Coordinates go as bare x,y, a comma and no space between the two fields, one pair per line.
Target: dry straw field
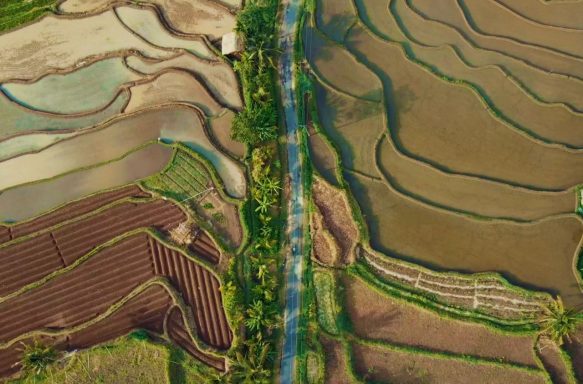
121,190
451,132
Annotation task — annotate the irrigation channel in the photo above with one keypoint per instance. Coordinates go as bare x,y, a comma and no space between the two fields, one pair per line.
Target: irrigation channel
294,265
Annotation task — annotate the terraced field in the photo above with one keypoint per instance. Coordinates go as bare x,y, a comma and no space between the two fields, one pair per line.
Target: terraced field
121,192
456,126
65,267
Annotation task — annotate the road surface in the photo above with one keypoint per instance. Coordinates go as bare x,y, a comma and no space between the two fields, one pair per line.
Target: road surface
296,210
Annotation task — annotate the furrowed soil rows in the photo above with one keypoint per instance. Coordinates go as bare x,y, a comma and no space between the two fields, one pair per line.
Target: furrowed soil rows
200,290
376,316
29,260
87,89
498,153
147,310
449,12
218,76
89,290
81,294
388,366
75,209
30,200
204,246
179,334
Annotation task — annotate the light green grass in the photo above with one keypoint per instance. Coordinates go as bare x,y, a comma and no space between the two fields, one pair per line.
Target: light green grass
14,13
327,311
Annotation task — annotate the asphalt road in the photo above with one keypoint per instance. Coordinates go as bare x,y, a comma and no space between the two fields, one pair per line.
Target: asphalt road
296,217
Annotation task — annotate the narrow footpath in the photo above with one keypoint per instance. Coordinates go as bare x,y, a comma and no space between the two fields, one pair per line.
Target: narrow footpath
294,267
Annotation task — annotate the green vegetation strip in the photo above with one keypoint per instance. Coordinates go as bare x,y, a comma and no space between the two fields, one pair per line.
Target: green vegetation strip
445,355
404,293
14,13
327,306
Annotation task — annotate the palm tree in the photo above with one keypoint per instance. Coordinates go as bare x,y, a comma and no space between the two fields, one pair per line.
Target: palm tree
262,272
266,231
37,358
262,53
558,322
255,316
269,185
250,368
264,203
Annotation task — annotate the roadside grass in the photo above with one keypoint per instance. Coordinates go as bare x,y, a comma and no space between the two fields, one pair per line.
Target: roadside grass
128,360
14,13
132,359
327,312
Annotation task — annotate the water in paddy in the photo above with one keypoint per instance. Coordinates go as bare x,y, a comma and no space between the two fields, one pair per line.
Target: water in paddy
16,119
86,89
31,200
115,140
536,255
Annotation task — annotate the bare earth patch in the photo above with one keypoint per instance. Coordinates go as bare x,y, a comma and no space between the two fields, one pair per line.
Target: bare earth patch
379,317
336,218
387,366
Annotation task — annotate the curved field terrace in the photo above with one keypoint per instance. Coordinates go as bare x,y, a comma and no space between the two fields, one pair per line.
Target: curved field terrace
121,201
450,132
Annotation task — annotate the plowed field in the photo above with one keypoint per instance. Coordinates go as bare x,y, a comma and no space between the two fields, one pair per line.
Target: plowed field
100,276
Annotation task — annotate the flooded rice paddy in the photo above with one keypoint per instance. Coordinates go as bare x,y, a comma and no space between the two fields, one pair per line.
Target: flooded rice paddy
470,158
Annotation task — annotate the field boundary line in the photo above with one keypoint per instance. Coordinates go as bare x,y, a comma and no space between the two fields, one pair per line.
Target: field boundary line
535,22
476,89
438,166
156,281
475,45
464,10
442,355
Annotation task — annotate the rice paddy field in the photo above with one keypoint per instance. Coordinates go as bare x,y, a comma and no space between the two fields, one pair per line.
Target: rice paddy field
122,191
452,129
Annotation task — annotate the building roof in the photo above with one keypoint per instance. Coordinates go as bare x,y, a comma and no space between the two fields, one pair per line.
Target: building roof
231,43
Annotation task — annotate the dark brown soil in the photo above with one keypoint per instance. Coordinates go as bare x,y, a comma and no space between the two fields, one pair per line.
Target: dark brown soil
575,350
335,365
77,296
550,356
27,261
178,333
386,366
75,209
379,317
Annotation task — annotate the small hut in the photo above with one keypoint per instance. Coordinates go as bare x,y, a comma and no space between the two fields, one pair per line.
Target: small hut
231,44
